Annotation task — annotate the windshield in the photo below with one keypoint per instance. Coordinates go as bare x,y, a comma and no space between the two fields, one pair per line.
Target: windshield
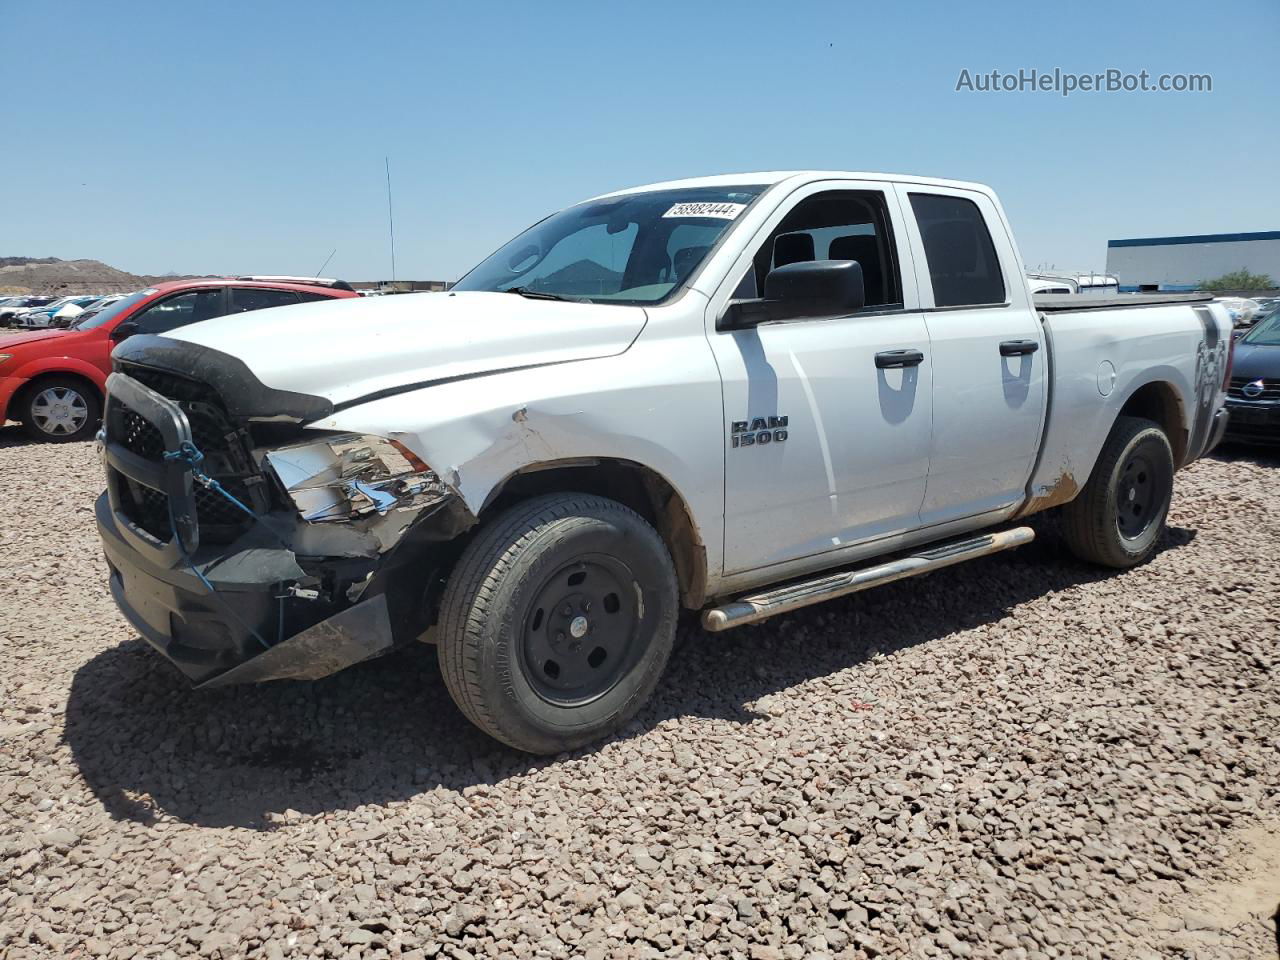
632,248
112,310
1266,332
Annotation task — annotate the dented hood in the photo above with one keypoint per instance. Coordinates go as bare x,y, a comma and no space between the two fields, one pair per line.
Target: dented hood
349,349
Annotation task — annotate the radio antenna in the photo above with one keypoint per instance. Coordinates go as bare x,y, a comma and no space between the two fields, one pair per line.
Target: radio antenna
326,262
391,223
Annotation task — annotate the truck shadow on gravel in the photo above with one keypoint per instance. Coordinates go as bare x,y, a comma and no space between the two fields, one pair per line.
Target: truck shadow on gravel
1231,452
385,731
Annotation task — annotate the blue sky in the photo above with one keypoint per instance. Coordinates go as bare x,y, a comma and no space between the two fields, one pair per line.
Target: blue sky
237,137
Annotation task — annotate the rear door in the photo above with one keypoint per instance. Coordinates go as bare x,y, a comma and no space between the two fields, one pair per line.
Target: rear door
988,352
824,446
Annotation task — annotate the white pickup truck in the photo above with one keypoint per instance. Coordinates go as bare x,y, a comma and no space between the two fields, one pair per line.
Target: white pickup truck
737,395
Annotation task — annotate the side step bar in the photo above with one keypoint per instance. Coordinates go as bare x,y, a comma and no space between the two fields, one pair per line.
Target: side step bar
794,596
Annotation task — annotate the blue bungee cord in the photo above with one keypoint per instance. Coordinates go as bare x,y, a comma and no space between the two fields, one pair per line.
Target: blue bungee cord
191,455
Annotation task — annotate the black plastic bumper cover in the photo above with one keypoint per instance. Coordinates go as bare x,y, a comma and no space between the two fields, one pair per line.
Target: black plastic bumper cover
175,613
1254,422
1221,424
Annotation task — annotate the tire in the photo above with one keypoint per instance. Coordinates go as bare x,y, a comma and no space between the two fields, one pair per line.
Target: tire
1118,518
59,410
510,649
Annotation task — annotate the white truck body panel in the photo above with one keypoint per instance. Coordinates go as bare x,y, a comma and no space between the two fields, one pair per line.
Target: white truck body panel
1098,367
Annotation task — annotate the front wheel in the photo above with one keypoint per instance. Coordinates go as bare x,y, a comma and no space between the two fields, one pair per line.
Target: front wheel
1117,519
558,621
60,409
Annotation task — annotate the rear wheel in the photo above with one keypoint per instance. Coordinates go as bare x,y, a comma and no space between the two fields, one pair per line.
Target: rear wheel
557,622
60,409
1117,519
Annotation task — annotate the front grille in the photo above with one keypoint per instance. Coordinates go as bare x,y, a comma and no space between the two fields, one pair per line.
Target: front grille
1270,389
148,508
227,459
139,435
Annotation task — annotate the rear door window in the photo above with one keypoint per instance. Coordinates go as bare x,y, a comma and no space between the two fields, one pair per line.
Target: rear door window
963,265
244,299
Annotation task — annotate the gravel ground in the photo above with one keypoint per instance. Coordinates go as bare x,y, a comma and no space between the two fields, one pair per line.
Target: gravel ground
1019,757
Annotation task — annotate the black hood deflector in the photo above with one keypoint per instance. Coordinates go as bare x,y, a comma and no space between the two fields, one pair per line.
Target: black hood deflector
243,394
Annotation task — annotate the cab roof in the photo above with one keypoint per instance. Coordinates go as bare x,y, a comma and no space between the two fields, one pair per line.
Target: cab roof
774,177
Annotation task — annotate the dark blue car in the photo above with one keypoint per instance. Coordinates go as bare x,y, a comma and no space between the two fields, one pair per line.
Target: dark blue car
1254,396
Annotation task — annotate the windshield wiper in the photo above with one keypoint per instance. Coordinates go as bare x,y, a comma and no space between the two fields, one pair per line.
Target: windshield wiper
542,295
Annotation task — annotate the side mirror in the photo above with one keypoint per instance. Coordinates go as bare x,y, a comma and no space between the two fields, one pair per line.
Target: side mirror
125,328
816,287
811,288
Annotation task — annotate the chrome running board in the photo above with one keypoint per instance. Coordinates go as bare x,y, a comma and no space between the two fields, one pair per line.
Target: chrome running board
758,606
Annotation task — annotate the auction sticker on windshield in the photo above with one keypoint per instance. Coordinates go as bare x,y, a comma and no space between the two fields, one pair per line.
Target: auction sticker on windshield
721,211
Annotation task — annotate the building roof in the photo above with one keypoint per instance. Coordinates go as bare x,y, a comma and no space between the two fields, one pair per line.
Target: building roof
1199,238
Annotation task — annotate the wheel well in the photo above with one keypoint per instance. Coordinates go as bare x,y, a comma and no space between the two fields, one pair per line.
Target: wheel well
1159,402
20,397
636,486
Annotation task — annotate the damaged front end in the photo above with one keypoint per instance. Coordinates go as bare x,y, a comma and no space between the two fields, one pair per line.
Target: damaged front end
245,548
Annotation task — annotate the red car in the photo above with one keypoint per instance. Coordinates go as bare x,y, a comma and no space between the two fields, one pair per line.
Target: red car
53,380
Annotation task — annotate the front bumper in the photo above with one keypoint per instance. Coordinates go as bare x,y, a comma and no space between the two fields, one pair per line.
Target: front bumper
1254,422
234,613
219,639
8,387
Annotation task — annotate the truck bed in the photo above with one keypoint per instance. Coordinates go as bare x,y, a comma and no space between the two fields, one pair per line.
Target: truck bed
1083,302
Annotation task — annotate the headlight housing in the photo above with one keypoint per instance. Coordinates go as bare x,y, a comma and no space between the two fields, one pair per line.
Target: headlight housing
4,357
350,476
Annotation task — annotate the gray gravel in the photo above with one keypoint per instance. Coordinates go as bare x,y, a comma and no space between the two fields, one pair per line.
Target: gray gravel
1020,757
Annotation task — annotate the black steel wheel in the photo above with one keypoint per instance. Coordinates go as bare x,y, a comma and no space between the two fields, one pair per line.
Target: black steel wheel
582,630
1118,518
557,621
1138,496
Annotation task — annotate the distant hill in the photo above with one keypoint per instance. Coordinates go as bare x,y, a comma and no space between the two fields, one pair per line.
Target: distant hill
49,275
583,278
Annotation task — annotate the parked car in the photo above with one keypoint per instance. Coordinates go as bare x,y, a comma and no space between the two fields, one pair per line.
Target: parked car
69,311
19,305
53,380
1240,309
1254,396
64,320
1051,285
27,316
1266,308
709,393
42,317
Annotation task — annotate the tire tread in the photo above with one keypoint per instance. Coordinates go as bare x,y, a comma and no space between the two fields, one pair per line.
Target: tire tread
469,599
1086,520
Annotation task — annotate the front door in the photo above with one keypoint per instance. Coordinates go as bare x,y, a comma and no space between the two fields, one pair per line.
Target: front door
827,419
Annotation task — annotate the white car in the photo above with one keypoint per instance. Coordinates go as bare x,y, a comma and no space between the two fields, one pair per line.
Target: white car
34,318
1240,309
737,395
72,313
